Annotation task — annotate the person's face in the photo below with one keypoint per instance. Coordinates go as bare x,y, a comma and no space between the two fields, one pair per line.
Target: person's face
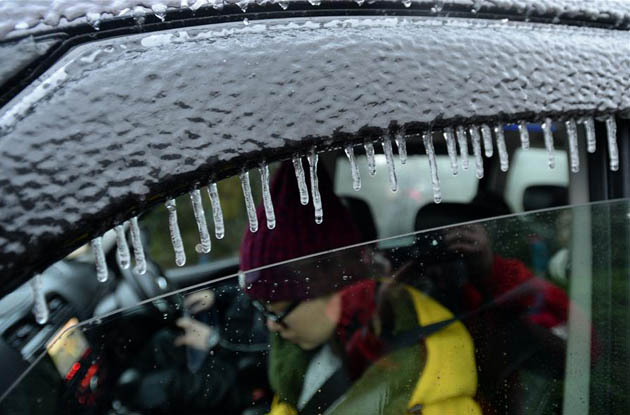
310,324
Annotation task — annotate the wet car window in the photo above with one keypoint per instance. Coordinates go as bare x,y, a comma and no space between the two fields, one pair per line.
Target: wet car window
505,315
399,209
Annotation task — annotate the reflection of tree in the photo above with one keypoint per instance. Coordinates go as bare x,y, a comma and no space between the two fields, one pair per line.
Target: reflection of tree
234,214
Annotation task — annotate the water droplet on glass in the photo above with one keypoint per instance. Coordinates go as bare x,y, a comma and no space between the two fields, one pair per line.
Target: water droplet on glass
401,143
249,201
589,129
40,307
99,259
427,139
217,212
317,200
476,143
301,179
159,10
122,249
524,133
503,154
573,145
613,151
486,134
266,194
176,236
138,249
369,153
205,244
548,134
451,148
462,141
389,159
356,176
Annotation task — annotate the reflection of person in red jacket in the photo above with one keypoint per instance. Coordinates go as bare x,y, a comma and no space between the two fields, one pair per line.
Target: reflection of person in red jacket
518,322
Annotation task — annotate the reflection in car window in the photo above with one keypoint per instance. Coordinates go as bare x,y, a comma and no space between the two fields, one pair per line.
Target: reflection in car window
469,317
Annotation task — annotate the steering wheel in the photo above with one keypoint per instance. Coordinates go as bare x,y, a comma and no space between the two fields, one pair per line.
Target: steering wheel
154,284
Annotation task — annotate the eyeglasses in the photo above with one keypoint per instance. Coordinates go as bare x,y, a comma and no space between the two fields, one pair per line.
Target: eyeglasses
273,316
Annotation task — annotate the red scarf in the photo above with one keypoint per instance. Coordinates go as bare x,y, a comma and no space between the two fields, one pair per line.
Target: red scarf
354,332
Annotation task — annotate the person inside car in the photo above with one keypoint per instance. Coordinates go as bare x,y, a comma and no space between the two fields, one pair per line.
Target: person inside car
342,341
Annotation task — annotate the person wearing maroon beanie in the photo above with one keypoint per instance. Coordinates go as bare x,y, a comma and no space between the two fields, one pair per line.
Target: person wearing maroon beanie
329,318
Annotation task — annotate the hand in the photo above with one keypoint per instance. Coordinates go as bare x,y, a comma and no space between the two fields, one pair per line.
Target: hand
473,242
196,334
199,301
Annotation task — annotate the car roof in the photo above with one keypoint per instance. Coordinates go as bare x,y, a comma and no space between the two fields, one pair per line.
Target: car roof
118,125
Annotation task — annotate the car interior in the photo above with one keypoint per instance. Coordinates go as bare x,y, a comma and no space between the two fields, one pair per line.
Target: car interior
100,372
531,259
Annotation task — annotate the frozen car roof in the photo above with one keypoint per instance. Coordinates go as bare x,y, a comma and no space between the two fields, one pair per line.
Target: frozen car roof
21,17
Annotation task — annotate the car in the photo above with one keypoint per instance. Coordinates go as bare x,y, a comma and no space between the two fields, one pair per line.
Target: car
113,124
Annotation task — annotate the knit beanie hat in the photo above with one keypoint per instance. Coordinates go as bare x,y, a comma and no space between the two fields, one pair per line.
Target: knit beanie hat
296,235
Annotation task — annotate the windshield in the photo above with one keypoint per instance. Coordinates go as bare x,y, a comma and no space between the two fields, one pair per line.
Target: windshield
519,314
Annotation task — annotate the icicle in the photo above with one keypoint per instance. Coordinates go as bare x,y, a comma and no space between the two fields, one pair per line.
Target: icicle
463,146
486,134
317,200
613,151
389,158
503,155
122,249
40,307
200,217
435,180
548,134
406,3
217,212
589,129
94,19
176,236
451,147
356,176
249,201
266,195
138,249
476,143
99,259
524,133
573,145
301,179
401,143
315,2
369,153
284,4
159,10
242,4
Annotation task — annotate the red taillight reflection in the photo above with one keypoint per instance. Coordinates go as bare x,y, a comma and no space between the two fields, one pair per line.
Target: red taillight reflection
73,370
85,382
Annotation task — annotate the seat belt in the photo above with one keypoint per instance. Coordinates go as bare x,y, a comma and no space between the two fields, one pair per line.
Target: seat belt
339,382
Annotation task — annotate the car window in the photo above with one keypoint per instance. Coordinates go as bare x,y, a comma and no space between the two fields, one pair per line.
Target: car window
395,212
521,175
459,315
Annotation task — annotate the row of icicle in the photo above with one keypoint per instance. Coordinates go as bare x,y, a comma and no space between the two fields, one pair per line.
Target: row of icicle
454,138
